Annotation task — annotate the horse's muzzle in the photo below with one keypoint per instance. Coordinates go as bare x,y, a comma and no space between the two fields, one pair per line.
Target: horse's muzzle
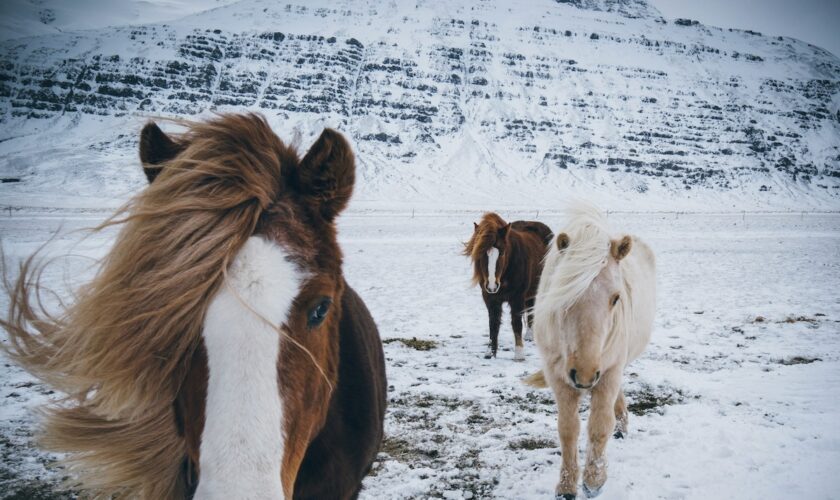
577,383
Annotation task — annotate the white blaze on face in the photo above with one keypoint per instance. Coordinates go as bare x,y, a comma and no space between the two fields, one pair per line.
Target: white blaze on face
492,257
243,440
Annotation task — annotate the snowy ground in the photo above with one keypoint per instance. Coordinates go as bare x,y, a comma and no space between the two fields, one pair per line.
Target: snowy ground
738,395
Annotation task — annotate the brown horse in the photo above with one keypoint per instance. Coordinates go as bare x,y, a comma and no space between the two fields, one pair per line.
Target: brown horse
218,352
507,262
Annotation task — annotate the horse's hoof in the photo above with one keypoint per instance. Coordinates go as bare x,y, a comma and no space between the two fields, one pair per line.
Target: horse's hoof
518,354
565,496
529,334
618,435
591,492
488,355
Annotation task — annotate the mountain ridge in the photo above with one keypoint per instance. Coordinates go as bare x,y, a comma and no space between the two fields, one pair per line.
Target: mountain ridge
599,97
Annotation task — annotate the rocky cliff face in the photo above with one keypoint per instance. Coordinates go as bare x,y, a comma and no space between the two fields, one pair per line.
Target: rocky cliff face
455,96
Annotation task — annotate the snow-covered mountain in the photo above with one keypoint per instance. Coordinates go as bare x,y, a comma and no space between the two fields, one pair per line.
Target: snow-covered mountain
447,102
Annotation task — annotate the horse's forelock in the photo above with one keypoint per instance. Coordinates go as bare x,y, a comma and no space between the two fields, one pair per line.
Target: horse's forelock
484,236
569,272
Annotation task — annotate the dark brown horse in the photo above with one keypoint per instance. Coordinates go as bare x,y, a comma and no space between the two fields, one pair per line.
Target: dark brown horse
218,352
507,262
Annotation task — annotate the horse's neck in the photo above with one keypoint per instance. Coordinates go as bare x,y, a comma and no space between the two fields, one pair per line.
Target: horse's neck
521,256
515,248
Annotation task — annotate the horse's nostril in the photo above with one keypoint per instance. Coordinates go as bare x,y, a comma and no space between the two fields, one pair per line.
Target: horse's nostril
573,375
597,375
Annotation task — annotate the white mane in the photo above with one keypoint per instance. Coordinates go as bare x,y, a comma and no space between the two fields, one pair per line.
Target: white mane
568,273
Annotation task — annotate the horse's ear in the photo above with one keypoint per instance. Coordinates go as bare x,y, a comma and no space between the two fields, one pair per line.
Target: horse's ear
156,148
620,248
562,241
327,173
475,226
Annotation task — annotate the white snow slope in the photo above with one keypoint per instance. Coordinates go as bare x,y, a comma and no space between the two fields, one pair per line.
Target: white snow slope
446,101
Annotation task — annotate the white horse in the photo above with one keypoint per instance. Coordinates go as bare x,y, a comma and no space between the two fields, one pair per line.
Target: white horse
593,315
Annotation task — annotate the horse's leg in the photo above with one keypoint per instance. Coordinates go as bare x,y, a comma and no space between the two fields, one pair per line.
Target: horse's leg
517,307
601,425
568,426
621,415
529,318
494,311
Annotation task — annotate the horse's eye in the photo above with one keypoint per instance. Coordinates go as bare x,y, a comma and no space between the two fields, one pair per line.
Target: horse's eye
318,313
614,300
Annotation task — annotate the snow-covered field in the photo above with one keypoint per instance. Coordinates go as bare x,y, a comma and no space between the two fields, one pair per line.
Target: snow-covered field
738,395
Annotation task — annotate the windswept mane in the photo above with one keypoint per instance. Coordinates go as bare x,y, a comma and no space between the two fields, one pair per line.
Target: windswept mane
121,350
567,274
483,236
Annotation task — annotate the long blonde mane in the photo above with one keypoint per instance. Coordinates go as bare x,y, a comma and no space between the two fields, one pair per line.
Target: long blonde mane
568,273
120,352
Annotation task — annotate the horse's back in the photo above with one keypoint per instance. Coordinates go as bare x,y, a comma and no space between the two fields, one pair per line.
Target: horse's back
532,226
639,268
341,455
534,238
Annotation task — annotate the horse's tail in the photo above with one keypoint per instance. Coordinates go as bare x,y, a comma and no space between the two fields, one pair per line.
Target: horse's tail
536,380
